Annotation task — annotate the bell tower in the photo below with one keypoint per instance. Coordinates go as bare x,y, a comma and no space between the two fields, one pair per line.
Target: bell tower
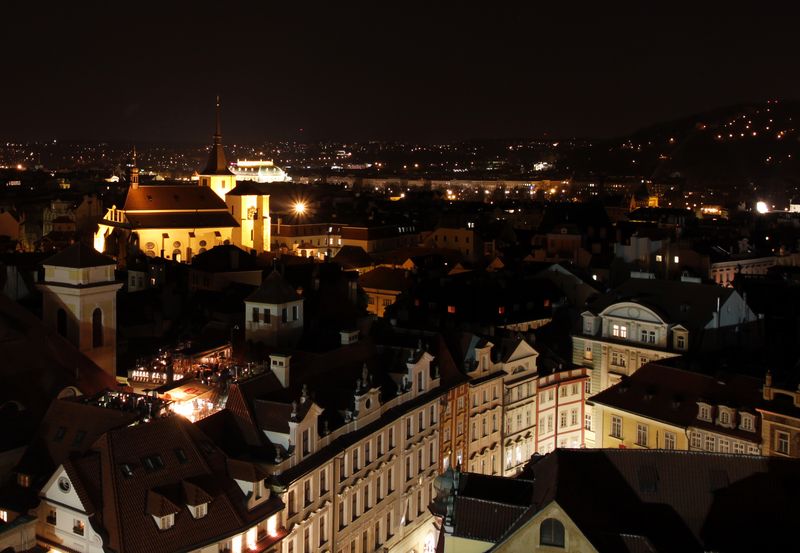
216,174
80,302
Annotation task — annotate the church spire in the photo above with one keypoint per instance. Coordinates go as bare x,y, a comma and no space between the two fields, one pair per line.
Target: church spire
133,171
217,164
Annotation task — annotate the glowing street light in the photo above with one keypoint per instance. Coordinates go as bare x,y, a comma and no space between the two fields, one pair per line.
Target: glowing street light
761,207
299,208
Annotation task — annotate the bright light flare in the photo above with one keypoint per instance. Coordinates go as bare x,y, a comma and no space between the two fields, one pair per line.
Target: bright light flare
299,208
762,207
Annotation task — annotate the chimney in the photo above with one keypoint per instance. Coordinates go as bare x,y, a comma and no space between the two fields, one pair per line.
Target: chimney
348,336
279,363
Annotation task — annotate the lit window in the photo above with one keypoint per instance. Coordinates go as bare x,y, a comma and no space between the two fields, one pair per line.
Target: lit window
641,435
451,309
676,259
669,440
659,258
782,442
616,427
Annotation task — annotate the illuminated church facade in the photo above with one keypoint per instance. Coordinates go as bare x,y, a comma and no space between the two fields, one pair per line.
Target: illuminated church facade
177,221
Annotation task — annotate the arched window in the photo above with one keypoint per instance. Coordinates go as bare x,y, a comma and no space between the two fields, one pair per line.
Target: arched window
97,328
61,322
551,533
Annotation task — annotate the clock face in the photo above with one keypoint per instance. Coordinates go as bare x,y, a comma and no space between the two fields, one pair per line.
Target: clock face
63,484
633,312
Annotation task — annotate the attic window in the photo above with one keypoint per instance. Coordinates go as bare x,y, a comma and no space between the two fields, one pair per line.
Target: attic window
81,434
166,522
59,434
127,470
153,462
451,309
181,455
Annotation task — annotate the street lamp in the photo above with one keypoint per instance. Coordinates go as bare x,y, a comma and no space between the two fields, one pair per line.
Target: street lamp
299,208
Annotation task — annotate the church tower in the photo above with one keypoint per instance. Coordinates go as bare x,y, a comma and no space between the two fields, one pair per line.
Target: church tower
80,302
217,175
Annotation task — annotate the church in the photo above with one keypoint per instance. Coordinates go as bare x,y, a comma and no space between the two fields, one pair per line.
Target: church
176,221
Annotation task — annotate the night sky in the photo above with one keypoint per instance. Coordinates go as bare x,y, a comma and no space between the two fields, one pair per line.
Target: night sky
149,72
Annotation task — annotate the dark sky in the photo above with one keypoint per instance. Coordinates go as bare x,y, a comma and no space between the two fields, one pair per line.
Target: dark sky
149,71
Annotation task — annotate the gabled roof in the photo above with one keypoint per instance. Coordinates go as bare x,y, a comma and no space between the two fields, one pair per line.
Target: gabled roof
676,500
173,197
687,303
670,395
353,257
184,469
384,278
274,290
79,256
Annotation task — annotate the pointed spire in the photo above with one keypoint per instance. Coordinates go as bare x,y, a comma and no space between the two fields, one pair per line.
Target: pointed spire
218,133
217,164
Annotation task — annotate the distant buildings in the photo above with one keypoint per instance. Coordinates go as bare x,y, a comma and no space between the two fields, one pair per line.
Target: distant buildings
258,171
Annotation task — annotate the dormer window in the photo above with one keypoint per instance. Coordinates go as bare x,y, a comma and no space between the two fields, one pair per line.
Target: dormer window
725,417
704,412
747,423
619,331
166,522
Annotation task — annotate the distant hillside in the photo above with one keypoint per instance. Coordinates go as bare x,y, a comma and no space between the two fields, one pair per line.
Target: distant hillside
726,147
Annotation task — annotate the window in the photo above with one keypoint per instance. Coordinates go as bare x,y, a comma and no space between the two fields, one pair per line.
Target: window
322,532
587,421
306,444
307,492
390,480
641,435
562,391
704,413
284,315
724,445
618,359
551,533
323,481
61,322
724,418
51,517
563,420
356,466
294,313
380,444
587,387
421,421
97,328
616,427
366,498
379,487
619,331
782,442
391,437
420,460
266,315
342,469
710,443
747,423
290,503
342,522
408,468
680,342
738,448
695,440
573,417
669,440
255,314
409,430
354,506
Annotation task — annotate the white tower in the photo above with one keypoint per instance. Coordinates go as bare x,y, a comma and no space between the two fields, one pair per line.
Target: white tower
80,302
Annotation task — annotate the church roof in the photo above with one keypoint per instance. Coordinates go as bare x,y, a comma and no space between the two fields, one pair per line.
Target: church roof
274,290
79,256
173,197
